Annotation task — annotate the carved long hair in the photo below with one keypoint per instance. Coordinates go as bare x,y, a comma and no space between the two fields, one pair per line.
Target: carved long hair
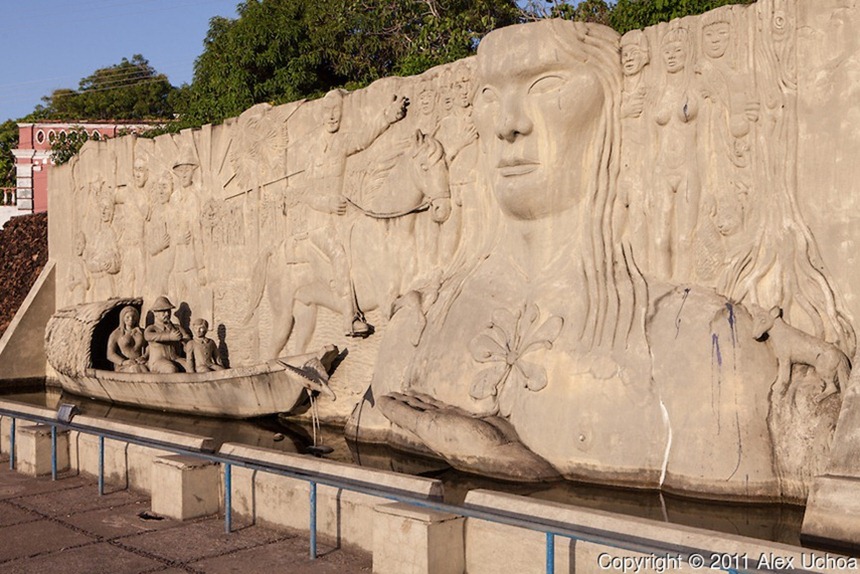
616,292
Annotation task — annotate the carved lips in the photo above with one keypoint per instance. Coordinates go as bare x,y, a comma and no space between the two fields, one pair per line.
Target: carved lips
515,167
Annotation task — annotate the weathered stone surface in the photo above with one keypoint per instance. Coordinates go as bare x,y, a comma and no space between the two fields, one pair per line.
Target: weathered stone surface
575,255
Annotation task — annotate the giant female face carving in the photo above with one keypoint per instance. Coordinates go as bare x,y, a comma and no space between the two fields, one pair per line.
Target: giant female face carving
538,113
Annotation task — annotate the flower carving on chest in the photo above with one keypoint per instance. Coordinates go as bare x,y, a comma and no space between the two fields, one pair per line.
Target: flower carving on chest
504,345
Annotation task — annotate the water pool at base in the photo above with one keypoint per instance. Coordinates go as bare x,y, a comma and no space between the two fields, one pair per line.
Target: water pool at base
772,522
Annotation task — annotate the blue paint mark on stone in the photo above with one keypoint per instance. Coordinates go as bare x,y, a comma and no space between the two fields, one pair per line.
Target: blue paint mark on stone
715,349
731,311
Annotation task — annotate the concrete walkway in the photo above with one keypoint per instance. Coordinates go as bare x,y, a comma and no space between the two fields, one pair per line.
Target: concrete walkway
64,526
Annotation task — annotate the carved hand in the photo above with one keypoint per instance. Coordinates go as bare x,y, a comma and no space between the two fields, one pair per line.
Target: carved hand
396,110
467,442
337,205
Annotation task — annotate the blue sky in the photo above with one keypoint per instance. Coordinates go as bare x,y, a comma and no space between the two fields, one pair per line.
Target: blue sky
50,44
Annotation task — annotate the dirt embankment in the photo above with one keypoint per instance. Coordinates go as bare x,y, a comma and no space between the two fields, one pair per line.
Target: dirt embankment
23,254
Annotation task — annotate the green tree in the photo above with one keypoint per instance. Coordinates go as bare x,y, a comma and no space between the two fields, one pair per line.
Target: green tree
632,14
8,142
284,50
130,90
65,145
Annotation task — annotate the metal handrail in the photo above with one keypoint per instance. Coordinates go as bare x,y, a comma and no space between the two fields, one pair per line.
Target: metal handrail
607,538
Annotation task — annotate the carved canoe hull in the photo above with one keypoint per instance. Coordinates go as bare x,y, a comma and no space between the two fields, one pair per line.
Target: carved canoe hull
75,343
243,392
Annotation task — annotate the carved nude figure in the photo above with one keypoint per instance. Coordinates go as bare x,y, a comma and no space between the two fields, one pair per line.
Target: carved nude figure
126,347
635,56
201,351
674,206
792,346
166,340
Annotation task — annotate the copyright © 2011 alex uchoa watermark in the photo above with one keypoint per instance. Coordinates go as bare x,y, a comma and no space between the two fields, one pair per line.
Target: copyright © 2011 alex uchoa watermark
659,563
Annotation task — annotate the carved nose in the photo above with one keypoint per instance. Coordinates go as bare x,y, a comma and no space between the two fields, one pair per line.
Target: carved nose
513,122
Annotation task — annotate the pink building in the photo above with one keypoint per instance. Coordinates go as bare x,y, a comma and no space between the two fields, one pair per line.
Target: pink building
33,155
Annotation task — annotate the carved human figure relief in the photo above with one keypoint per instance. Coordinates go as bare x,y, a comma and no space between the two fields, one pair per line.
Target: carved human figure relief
635,56
126,347
201,351
675,189
78,280
160,237
134,213
102,252
427,119
189,267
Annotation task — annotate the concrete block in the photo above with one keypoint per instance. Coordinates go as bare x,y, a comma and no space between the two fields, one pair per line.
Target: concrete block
499,548
833,511
411,540
84,453
140,462
271,500
493,548
5,429
184,487
33,449
417,486
343,517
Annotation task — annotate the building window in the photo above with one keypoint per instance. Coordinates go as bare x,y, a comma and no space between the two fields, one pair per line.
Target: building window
40,136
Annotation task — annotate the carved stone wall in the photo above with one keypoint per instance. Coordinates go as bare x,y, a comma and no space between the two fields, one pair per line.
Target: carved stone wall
614,259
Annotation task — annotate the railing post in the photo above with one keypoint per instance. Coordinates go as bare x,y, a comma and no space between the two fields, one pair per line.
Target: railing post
550,553
12,445
228,497
53,452
101,465
313,519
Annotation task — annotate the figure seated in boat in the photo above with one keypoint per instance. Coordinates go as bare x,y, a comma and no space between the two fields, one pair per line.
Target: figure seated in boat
166,340
126,347
201,351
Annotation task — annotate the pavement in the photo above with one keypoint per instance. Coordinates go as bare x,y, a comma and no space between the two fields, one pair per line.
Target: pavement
65,526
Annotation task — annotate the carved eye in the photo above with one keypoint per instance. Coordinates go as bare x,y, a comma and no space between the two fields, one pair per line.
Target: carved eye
488,96
546,85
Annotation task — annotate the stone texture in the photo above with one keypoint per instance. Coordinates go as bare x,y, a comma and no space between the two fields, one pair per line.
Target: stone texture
412,540
33,449
184,487
570,218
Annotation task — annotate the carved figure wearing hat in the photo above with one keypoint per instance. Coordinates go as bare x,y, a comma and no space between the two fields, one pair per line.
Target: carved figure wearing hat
166,340
188,263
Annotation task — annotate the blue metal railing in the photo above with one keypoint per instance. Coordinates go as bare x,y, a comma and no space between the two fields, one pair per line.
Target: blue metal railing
551,529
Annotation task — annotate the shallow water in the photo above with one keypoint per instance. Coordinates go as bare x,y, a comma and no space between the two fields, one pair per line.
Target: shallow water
774,522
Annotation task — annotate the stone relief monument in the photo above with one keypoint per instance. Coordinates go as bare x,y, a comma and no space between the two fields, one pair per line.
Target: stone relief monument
574,255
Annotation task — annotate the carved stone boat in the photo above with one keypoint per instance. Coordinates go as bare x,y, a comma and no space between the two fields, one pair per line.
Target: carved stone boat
76,343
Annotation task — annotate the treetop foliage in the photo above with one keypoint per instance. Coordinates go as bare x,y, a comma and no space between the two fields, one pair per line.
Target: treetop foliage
130,90
284,50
